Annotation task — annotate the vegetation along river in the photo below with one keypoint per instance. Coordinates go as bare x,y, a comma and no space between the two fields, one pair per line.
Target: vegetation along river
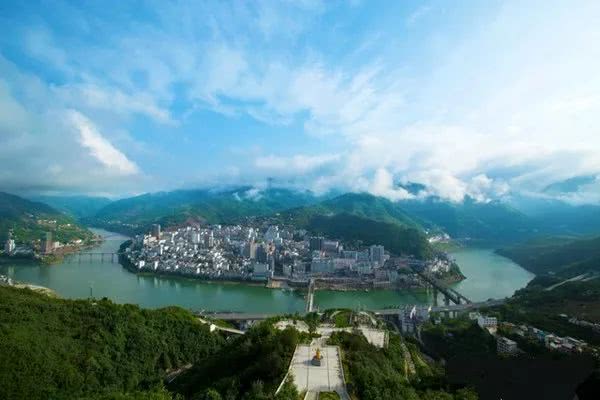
488,275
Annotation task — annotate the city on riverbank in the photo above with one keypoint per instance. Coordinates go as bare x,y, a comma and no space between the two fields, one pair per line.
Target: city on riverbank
280,257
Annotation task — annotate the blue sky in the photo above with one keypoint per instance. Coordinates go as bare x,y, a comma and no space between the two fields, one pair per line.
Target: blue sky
478,98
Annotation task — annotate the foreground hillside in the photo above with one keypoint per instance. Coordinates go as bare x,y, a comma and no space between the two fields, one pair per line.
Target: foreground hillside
30,221
399,371
65,349
95,349
567,283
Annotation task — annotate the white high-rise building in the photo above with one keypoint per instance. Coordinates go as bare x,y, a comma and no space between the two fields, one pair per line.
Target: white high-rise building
377,254
196,237
9,246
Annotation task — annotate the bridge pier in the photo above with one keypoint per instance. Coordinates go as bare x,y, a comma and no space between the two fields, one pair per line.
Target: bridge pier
310,297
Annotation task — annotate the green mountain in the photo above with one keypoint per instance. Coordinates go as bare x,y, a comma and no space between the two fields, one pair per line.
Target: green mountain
65,349
491,222
362,205
211,206
30,221
366,218
76,206
562,256
95,349
399,239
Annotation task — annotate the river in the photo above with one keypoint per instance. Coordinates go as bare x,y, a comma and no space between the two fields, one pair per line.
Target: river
488,275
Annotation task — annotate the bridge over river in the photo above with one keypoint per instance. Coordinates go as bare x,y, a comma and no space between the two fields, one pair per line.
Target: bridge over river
233,316
108,257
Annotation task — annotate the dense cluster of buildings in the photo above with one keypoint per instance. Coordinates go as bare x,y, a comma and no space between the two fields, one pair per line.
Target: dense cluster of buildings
259,253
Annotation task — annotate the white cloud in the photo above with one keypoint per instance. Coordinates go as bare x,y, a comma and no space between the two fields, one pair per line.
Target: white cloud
507,103
99,147
44,147
95,97
383,185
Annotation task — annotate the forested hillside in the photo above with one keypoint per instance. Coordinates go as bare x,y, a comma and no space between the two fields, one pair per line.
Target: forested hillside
388,374
247,367
479,221
362,205
65,349
94,349
30,220
76,206
398,239
211,206
558,255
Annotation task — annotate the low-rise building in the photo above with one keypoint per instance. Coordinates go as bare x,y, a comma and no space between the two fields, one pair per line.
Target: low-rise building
506,346
485,322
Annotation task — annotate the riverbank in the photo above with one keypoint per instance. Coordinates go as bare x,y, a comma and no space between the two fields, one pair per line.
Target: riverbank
488,275
129,266
56,257
6,281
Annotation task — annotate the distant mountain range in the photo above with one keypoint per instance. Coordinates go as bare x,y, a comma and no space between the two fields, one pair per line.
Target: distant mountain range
210,206
30,220
76,206
495,222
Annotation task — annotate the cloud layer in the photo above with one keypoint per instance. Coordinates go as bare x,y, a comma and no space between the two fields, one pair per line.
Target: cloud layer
464,99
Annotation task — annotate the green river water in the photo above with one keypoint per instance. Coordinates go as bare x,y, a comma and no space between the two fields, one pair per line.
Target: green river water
488,276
